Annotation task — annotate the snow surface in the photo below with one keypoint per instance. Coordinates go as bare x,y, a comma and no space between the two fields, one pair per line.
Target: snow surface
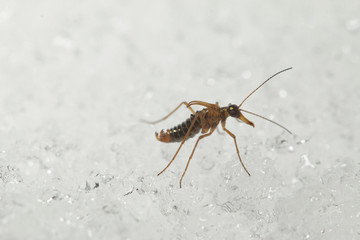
76,77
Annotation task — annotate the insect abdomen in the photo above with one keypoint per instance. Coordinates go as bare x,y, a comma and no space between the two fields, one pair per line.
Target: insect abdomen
177,133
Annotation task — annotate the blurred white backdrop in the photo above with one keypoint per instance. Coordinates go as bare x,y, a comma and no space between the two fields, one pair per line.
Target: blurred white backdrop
76,78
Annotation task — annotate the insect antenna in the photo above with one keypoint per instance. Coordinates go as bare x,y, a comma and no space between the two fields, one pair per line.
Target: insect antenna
267,120
263,84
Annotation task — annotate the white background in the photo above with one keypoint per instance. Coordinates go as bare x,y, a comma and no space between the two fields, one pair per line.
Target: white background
76,77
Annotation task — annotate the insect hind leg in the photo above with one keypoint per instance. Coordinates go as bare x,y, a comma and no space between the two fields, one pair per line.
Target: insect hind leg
182,143
192,153
173,111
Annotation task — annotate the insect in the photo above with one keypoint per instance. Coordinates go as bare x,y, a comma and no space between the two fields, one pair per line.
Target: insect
206,121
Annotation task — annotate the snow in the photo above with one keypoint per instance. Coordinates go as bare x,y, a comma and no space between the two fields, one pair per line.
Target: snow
76,78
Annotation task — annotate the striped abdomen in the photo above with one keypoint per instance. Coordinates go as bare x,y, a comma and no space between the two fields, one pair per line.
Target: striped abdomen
177,133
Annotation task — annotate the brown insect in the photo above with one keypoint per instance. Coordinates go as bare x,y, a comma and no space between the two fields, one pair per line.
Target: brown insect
207,120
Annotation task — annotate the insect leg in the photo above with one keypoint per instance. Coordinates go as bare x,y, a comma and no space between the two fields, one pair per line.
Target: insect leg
187,165
237,149
205,104
162,119
182,143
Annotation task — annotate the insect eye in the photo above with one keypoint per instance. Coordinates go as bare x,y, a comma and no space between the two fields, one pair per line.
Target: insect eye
233,110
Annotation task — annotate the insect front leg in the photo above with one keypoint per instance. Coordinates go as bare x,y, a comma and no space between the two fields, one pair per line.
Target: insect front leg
237,149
